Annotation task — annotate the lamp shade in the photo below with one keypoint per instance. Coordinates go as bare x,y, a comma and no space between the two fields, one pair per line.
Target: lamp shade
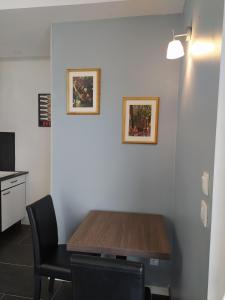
175,50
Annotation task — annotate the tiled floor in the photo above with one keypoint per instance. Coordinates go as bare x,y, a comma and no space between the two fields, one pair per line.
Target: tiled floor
16,268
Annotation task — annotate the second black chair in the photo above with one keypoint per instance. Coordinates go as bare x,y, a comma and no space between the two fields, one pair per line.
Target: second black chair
96,278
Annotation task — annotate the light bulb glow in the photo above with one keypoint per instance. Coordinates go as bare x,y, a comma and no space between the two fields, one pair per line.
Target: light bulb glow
175,50
202,48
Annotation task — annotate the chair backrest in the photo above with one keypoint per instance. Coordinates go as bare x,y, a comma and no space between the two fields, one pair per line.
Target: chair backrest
96,278
44,228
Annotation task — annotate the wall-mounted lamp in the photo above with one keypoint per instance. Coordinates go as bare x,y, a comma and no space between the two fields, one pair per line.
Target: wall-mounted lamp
175,48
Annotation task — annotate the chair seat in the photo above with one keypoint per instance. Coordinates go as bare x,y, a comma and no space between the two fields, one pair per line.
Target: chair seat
58,264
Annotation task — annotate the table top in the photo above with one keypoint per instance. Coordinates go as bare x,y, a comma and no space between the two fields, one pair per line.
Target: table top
124,234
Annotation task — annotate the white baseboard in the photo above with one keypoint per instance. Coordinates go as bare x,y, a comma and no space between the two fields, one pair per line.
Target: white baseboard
25,221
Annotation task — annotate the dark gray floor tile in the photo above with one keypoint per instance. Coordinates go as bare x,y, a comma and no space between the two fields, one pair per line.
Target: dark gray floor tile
10,297
16,254
15,234
17,280
27,240
64,292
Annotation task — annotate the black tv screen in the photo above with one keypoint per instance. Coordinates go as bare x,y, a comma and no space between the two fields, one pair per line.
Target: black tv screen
7,151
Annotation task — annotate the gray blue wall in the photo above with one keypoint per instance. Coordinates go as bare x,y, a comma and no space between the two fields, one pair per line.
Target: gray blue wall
91,168
195,149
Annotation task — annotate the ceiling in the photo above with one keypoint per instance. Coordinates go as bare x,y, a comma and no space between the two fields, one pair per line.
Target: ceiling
15,4
25,32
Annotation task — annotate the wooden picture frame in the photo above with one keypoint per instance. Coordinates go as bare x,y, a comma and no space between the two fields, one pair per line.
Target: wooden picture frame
83,91
140,120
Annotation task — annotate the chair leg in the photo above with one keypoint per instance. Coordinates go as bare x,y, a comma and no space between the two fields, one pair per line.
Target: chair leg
51,285
148,294
37,287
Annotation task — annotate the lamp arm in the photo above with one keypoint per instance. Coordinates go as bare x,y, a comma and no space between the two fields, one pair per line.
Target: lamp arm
187,34
180,35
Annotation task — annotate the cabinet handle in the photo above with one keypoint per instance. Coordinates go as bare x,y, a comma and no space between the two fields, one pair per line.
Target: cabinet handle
6,193
14,181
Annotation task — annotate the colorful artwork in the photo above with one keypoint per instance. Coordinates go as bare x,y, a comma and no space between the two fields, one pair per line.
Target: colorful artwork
83,91
140,120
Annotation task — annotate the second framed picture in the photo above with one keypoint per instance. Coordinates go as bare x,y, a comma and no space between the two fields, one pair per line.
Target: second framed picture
140,120
83,91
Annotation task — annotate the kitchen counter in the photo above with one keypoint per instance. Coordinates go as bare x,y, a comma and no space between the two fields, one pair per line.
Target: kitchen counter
11,174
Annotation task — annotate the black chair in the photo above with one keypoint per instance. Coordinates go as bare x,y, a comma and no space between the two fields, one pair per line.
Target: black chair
50,259
96,278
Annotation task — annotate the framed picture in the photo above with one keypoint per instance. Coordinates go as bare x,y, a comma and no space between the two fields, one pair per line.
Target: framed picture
44,110
140,120
83,91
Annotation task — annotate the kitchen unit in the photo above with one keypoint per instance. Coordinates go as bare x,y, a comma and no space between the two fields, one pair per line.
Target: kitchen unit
13,198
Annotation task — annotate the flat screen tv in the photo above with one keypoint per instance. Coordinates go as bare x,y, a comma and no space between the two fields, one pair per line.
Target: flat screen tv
7,151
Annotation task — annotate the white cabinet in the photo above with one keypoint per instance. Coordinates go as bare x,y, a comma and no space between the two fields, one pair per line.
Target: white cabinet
6,184
13,201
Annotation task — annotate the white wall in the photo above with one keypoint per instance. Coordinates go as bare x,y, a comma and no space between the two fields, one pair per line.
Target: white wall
216,288
20,83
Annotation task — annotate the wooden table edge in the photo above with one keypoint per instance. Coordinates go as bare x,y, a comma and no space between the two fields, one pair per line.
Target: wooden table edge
109,251
124,252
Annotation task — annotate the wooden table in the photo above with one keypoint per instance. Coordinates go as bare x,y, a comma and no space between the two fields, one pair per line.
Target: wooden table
123,234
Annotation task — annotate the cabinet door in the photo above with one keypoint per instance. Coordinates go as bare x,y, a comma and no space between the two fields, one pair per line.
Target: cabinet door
13,205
